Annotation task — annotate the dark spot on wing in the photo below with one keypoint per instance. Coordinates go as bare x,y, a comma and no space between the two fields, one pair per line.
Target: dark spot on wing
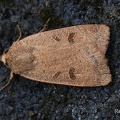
56,75
70,38
95,60
71,73
56,38
86,49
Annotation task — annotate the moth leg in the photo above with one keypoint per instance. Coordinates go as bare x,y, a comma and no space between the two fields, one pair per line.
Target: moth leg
20,33
45,27
11,76
54,87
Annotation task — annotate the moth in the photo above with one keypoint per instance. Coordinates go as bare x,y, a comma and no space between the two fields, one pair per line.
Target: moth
72,56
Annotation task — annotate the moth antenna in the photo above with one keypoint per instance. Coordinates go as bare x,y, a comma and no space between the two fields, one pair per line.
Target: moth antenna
11,76
3,56
20,33
45,27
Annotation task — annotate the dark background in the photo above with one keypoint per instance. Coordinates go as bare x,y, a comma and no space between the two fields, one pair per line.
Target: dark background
24,99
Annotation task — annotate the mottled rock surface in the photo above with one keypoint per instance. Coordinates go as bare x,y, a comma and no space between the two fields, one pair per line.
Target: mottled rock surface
25,99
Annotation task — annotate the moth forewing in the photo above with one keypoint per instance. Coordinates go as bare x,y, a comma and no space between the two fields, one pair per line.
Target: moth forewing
71,56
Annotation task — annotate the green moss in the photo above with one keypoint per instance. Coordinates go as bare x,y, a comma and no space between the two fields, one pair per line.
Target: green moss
10,92
55,22
84,4
46,13
118,10
7,2
118,24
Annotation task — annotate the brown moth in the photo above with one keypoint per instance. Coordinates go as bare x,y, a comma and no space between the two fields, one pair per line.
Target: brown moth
72,56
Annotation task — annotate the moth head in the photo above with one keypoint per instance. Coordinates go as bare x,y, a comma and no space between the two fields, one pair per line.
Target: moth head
3,58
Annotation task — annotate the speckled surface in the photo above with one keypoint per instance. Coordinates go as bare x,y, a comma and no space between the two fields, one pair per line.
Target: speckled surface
24,99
